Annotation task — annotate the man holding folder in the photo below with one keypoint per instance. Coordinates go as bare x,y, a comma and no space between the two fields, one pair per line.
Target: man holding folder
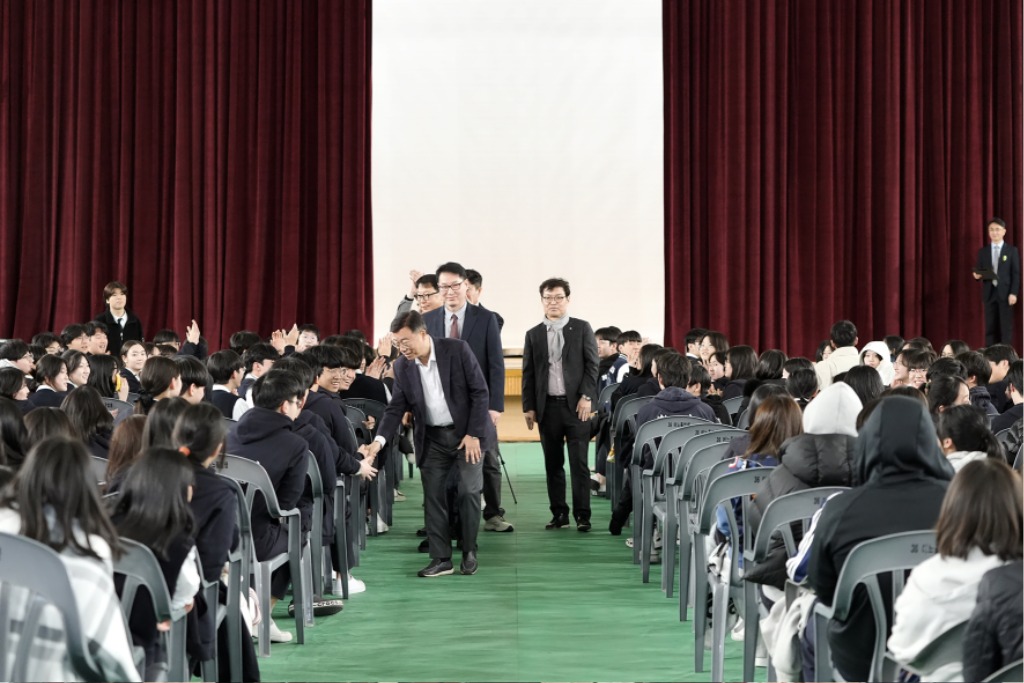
998,268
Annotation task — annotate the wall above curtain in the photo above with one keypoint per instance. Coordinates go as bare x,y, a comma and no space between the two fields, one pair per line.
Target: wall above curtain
828,160
214,156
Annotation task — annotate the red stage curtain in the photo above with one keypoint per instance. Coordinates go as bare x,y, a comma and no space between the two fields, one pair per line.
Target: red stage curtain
832,159
212,155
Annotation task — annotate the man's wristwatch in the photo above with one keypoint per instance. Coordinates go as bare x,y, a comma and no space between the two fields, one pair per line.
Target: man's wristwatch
584,397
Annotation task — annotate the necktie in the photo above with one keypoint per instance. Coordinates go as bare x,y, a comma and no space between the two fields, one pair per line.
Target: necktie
995,257
120,322
454,332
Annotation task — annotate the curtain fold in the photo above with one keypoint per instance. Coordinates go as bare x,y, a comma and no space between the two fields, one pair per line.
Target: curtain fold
214,156
828,160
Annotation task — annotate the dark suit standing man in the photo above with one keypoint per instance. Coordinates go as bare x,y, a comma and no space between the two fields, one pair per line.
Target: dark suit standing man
440,383
459,319
559,382
999,296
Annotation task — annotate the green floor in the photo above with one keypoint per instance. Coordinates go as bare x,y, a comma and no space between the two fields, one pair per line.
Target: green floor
545,606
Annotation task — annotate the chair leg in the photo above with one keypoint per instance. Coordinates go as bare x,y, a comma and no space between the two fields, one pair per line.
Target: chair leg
701,598
685,563
668,555
750,629
720,615
263,595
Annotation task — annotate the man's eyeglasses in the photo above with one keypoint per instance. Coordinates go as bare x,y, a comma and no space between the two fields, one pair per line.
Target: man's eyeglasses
424,297
401,344
557,299
454,285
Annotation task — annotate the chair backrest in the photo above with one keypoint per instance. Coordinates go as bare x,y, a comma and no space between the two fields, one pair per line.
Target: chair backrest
356,418
724,488
98,467
244,552
604,401
680,443
625,410
798,506
141,569
132,398
1014,671
121,410
39,569
1007,439
655,431
892,555
252,473
946,649
699,454
367,405
733,406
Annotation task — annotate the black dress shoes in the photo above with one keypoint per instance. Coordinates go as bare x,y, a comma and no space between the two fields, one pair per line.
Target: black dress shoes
583,525
437,568
558,522
469,565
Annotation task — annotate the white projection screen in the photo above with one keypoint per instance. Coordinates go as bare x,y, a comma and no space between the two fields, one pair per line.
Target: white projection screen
522,138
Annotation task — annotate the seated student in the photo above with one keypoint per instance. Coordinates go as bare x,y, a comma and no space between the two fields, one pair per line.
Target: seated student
74,338
160,422
994,636
738,446
98,341
642,382
673,377
152,509
194,378
133,358
795,363
700,384
242,340
693,337
964,436
611,365
954,348
876,355
92,421
52,375
629,343
1015,392
843,339
360,385
257,361
946,391
979,529
14,387
716,369
946,366
911,368
78,368
13,437
226,371
821,456
802,385
266,434
105,377
903,476
121,324
15,353
740,363
978,372
125,448
999,357
49,341
823,351
327,362
894,342
711,343
769,367
865,381
56,477
160,379
199,435
309,336
46,422
169,337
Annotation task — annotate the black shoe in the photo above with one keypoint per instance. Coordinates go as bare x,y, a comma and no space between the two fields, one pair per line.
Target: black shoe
437,568
469,565
424,546
422,532
558,522
583,525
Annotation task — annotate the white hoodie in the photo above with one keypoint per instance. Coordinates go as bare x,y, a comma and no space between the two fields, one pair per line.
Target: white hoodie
960,458
833,411
940,593
885,368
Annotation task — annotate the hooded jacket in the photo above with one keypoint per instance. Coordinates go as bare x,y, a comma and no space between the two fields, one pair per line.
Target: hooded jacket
821,456
885,368
669,401
994,632
268,438
902,477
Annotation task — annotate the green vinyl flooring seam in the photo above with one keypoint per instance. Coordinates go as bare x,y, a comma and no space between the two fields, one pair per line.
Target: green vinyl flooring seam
545,605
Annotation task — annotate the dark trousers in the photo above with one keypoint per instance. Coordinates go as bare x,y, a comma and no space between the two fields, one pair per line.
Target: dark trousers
492,483
998,321
559,428
442,455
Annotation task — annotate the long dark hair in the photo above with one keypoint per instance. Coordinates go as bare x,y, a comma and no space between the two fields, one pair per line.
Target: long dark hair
13,437
56,475
968,429
12,380
155,378
153,506
199,432
777,418
88,415
45,422
982,509
101,375
125,446
160,422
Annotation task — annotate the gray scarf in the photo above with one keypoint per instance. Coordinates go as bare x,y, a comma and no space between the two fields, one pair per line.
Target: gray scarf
555,339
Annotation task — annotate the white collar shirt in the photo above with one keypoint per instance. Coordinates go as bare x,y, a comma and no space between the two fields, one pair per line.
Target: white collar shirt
436,407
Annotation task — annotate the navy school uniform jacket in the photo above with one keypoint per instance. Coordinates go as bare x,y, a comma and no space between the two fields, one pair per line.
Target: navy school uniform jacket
332,412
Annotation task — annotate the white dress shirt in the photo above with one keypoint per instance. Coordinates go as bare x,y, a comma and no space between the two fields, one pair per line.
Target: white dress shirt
435,404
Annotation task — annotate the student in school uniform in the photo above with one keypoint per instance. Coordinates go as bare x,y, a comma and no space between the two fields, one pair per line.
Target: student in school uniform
121,324
226,370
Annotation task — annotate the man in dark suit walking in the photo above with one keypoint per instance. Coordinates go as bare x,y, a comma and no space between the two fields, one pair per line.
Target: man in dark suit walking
440,383
559,383
1000,295
478,327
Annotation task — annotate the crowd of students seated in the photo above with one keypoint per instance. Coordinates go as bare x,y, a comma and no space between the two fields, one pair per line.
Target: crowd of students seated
911,431
895,420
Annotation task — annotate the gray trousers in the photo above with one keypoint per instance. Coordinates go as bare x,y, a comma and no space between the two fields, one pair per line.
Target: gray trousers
442,456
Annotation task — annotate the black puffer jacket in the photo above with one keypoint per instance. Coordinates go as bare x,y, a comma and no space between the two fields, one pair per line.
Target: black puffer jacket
994,633
807,461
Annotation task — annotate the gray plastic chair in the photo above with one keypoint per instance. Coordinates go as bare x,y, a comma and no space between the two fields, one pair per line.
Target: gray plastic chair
1014,671
316,534
946,649
256,479
239,570
778,518
341,535
98,467
892,554
141,569
624,413
378,489
121,410
28,564
733,406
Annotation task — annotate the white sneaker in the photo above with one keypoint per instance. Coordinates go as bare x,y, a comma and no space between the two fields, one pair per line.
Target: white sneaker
399,496
336,587
657,540
737,633
382,527
277,635
355,585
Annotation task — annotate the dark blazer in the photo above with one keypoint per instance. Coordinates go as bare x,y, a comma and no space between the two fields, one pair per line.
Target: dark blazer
134,386
579,365
479,330
47,398
1008,273
497,316
364,386
465,391
115,335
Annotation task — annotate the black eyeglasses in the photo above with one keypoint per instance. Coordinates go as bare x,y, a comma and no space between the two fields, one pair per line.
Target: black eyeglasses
454,285
424,297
